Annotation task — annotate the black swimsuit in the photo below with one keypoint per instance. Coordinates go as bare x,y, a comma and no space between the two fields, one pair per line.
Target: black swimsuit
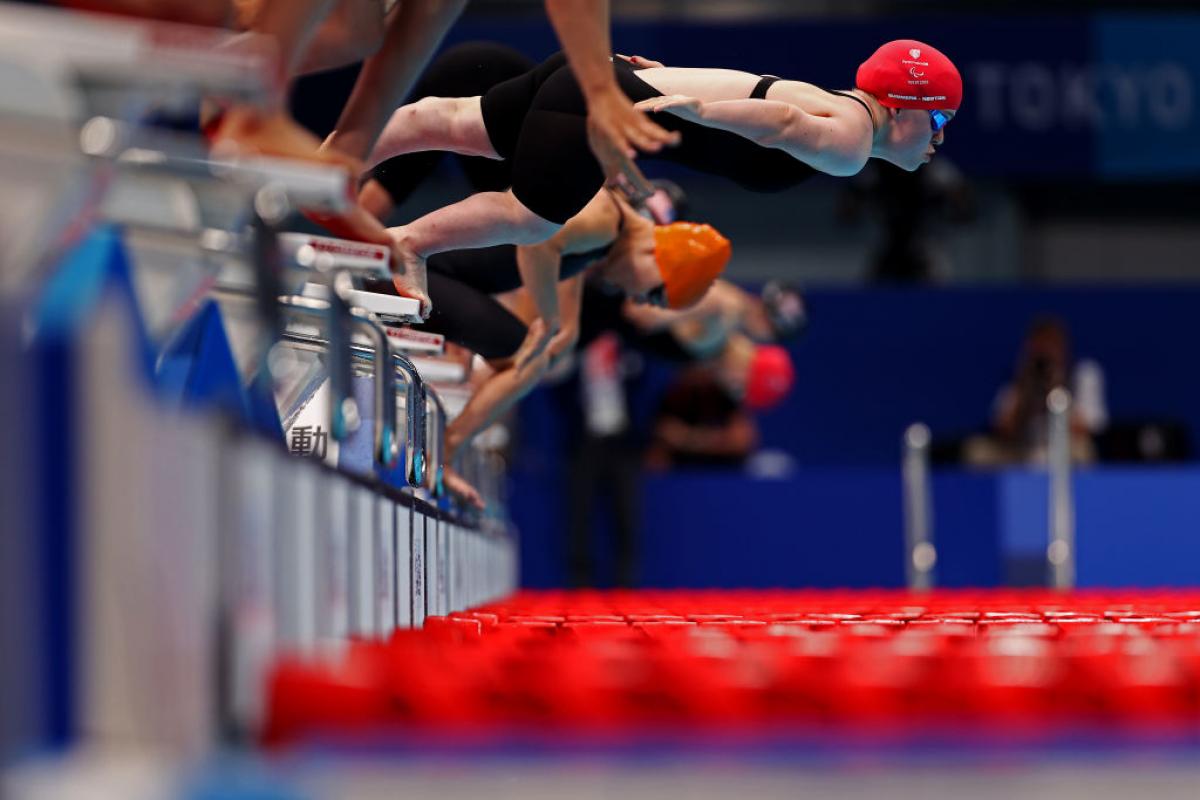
554,172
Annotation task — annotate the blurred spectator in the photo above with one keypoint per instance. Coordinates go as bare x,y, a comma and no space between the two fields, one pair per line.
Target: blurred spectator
704,420
1019,417
701,424
605,465
906,203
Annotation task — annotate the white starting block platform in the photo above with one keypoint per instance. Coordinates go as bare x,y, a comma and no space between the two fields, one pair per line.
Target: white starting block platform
391,309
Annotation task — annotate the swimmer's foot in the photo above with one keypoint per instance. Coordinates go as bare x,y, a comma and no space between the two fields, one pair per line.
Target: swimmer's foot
244,131
408,268
408,274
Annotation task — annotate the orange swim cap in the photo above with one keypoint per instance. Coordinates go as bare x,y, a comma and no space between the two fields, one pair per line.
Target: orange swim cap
690,257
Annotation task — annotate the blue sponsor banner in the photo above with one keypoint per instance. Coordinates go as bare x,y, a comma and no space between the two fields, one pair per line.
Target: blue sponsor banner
1147,108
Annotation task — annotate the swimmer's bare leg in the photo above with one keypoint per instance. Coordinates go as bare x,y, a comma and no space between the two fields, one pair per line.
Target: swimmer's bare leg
481,220
452,124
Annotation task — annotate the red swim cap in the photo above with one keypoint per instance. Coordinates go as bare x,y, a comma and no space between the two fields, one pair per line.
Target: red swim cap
770,379
911,74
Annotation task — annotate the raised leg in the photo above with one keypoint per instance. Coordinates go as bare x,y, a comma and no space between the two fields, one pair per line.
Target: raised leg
453,124
481,220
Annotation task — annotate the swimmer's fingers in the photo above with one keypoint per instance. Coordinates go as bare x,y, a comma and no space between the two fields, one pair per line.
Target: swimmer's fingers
680,105
638,62
614,125
536,340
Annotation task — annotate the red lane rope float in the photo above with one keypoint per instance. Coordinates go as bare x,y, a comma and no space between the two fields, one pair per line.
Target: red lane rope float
751,660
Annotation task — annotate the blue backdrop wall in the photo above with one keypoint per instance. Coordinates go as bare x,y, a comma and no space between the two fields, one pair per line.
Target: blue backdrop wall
874,361
842,527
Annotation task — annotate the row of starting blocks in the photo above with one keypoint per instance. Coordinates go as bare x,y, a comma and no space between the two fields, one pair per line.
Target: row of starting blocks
222,452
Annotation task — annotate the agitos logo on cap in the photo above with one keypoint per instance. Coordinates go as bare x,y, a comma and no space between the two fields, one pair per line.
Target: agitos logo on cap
906,73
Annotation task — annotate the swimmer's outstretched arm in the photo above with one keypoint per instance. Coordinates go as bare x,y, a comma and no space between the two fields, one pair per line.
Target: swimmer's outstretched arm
510,381
640,62
514,378
723,301
829,144
540,264
570,303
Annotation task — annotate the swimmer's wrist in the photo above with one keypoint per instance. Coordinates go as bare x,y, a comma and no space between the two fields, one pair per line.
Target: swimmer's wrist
601,89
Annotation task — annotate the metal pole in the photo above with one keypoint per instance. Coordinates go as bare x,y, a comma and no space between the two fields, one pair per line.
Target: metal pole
920,553
1060,554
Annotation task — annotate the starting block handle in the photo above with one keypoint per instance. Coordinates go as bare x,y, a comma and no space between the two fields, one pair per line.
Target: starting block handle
435,445
386,441
416,462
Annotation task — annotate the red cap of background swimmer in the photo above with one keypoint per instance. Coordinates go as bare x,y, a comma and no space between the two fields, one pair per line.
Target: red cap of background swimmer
906,73
771,377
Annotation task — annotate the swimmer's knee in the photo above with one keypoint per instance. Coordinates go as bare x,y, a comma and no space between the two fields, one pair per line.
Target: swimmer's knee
542,228
535,227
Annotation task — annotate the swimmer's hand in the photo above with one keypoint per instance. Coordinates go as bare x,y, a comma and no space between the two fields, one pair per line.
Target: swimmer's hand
680,105
461,490
546,346
562,346
617,131
537,339
638,62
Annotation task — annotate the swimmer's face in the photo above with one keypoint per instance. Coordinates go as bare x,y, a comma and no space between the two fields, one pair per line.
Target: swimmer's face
632,267
916,134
